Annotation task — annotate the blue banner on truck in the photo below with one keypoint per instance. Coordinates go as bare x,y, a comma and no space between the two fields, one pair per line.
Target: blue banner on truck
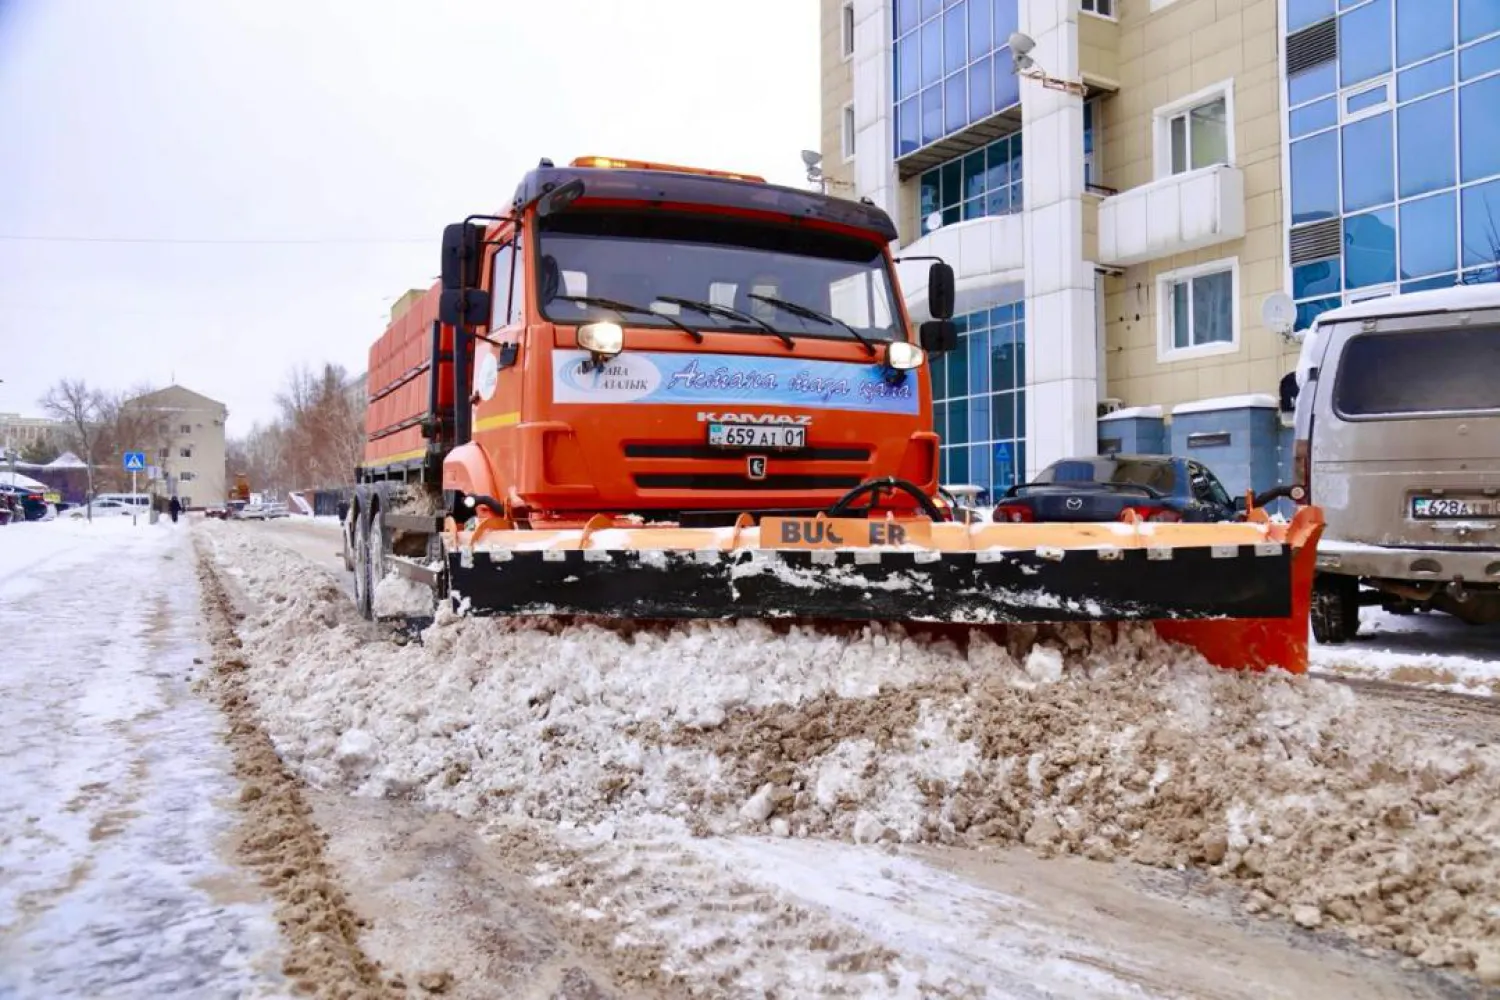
643,377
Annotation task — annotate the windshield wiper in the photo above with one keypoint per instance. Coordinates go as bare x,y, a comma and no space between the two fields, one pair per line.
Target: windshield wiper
712,309
800,310
625,307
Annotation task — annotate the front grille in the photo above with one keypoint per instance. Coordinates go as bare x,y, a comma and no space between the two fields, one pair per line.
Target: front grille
738,481
826,454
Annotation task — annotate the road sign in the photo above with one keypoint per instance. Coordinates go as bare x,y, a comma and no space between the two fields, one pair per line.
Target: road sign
1004,473
135,461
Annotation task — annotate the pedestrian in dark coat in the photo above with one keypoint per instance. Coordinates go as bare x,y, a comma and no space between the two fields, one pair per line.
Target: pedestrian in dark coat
174,508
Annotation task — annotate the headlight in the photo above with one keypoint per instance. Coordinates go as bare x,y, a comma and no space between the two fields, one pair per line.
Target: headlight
603,339
903,356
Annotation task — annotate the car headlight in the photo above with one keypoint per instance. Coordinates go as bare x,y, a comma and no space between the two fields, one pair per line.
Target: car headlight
603,339
903,356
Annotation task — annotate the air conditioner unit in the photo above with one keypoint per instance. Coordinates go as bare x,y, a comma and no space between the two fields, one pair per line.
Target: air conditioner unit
1110,405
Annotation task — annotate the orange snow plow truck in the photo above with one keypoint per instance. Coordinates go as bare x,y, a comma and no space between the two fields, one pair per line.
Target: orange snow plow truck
655,392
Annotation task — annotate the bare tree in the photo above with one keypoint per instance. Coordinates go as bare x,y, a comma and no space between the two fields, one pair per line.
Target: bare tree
77,407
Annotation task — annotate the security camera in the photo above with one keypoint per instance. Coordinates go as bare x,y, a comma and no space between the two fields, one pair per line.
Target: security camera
1020,44
811,157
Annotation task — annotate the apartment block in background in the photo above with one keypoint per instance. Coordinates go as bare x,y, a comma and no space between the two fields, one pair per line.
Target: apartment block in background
187,444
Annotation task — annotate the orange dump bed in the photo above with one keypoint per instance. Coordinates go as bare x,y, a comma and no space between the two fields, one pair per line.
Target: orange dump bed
400,383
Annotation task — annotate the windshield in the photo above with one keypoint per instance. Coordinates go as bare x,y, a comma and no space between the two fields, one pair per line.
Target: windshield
644,259
1120,472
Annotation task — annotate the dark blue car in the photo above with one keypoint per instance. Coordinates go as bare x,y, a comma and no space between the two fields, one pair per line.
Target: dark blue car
1102,488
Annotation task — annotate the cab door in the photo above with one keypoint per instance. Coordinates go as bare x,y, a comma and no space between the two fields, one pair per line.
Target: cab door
497,383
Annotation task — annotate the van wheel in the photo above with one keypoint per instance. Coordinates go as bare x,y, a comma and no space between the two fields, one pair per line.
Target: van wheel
1335,608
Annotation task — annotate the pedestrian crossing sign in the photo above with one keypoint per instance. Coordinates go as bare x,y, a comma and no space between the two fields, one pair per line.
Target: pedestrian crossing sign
135,461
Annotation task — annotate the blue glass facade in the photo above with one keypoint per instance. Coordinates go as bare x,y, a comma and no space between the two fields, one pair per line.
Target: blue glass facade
979,400
984,182
1397,138
952,67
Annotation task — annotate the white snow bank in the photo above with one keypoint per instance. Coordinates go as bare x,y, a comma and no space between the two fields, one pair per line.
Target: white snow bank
1096,744
1430,650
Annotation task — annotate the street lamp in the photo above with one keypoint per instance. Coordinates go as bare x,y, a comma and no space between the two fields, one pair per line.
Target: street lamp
1021,61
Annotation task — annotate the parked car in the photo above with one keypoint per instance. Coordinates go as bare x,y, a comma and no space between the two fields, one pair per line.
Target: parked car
33,503
1397,424
1102,488
107,508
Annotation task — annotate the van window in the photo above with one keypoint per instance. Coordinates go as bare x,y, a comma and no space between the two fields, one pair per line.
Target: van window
1422,371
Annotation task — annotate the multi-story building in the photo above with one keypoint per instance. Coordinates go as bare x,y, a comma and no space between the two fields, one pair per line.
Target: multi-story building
185,444
21,433
1128,213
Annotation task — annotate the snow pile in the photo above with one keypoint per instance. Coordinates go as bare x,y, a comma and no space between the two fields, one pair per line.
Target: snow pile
1089,743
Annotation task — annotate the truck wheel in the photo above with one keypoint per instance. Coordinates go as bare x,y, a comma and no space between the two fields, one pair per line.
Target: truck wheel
363,593
346,532
1335,608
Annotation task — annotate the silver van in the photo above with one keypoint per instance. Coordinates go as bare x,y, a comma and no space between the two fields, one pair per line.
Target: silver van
1398,440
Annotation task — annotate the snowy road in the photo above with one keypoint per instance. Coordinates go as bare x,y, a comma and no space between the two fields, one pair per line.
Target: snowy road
603,804
113,805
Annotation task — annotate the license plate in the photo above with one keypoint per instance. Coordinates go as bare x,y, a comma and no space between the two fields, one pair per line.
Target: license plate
1440,507
773,436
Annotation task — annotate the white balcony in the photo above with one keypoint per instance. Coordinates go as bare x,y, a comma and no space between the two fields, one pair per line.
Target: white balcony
1172,215
987,258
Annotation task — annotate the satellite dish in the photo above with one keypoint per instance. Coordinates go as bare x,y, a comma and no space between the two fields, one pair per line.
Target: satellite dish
934,221
811,157
1278,313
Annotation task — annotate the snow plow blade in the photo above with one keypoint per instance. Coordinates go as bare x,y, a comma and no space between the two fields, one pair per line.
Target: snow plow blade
1239,592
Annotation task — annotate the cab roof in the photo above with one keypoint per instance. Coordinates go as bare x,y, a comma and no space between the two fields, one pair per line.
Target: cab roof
710,190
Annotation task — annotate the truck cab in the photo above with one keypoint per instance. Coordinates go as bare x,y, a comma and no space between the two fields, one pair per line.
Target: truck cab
683,344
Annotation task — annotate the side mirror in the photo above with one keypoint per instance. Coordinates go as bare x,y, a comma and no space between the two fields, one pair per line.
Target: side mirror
464,307
463,249
940,291
1239,505
938,336
560,198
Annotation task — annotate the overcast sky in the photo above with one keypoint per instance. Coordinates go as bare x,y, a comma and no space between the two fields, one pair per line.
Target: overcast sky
357,126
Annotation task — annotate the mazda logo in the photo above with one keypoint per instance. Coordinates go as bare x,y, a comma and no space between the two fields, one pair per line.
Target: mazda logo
1074,503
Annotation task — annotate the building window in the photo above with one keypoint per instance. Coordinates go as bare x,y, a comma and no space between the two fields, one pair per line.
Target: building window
185,428
184,453
846,30
185,477
1198,311
1394,156
984,182
1104,8
1090,126
979,401
846,132
951,67
1195,133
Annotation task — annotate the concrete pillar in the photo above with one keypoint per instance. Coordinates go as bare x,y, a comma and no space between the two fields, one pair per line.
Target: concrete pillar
874,140
1062,369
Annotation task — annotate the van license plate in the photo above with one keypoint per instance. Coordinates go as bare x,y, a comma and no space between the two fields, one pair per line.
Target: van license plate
776,436
1440,507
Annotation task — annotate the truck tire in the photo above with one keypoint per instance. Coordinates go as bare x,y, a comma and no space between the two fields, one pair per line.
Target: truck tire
1335,608
346,532
364,601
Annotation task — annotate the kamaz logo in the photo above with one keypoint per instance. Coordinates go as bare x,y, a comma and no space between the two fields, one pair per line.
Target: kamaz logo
705,417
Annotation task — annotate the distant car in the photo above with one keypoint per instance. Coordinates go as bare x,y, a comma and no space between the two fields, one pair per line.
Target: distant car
1103,488
105,508
33,503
